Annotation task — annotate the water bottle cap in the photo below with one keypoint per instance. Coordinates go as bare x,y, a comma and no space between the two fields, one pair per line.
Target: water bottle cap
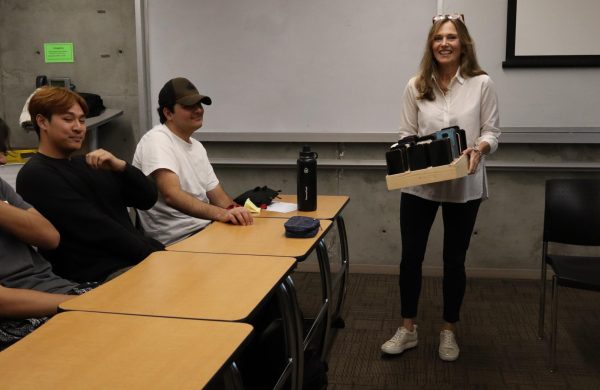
306,152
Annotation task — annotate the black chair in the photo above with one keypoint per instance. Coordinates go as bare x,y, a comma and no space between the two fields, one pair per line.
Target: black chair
571,216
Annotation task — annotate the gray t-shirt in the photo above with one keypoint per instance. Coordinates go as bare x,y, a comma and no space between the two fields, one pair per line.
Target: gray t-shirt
20,264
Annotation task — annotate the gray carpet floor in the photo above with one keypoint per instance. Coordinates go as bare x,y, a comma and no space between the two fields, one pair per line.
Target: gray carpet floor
497,336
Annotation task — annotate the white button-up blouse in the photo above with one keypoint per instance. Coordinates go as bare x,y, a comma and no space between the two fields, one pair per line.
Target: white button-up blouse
470,103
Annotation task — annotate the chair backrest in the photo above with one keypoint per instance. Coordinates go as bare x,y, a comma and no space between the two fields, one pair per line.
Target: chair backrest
572,211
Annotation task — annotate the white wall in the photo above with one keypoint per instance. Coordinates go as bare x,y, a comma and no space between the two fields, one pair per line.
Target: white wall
341,65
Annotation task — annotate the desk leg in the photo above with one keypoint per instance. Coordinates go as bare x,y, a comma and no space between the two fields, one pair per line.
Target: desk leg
326,292
290,312
298,325
342,278
554,316
233,378
323,317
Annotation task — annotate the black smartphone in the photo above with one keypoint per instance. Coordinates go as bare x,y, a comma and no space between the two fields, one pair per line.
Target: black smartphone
40,81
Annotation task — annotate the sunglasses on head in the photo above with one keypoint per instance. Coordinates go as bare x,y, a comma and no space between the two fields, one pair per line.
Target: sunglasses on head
437,18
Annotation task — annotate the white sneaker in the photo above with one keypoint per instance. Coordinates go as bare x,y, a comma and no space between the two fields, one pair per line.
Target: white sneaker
448,348
402,340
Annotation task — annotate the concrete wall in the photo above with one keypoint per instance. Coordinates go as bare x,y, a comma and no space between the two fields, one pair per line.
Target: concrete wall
103,34
508,233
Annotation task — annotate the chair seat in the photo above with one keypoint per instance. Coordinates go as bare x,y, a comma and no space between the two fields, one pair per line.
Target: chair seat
577,271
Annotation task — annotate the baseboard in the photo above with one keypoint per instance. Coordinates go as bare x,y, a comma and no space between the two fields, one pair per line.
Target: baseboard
475,272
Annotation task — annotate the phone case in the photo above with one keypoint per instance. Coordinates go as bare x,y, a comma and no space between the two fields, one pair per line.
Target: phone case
451,134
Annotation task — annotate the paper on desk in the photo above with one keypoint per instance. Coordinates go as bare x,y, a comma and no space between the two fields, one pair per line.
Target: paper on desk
282,207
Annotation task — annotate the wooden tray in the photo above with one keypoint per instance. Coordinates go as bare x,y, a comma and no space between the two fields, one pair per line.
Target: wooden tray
458,168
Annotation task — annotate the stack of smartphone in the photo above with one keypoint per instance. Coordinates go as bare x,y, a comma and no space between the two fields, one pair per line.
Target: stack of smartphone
413,153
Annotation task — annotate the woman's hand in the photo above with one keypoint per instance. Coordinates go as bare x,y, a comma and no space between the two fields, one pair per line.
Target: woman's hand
476,154
474,158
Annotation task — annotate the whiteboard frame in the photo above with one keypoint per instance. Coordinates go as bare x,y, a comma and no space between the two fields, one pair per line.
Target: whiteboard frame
143,75
515,61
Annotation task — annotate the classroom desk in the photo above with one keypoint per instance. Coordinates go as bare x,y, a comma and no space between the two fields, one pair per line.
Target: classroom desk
189,285
328,207
266,237
203,286
78,350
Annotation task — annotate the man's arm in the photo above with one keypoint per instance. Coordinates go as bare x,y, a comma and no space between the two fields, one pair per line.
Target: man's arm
138,190
77,216
103,159
28,226
23,303
219,197
170,188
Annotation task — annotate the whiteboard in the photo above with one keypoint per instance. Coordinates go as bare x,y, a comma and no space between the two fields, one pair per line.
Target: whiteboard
331,66
542,24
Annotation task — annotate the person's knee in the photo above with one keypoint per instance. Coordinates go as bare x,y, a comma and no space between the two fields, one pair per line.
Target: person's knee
410,266
455,269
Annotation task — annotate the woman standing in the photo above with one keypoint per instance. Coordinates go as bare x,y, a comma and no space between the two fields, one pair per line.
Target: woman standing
449,90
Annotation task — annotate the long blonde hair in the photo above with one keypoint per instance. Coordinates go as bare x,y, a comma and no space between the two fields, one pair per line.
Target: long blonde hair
469,67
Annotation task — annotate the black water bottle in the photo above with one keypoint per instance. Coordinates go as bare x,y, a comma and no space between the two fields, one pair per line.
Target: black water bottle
307,180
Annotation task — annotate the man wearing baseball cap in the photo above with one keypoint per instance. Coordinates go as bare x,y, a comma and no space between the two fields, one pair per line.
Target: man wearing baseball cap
190,195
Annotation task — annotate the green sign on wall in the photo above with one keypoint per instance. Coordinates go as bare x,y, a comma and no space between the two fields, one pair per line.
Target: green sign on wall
58,52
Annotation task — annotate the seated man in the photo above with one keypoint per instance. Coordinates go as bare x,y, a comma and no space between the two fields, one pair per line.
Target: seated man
85,197
190,193
29,290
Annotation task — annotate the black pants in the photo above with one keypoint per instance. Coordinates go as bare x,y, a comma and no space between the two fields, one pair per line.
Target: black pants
416,217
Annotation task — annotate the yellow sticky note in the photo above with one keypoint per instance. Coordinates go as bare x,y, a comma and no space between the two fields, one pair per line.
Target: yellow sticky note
254,209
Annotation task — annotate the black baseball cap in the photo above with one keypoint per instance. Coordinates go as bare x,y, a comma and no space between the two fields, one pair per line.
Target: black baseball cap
181,90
